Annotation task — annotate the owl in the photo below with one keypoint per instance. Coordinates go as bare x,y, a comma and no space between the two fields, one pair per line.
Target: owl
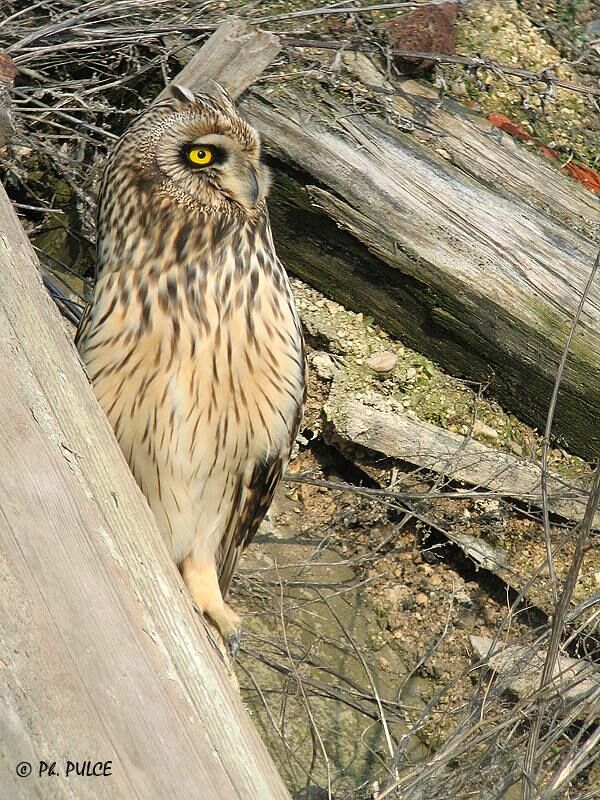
191,339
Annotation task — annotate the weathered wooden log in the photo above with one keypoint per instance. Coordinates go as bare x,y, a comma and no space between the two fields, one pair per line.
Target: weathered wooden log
396,435
470,142
102,657
576,681
374,426
235,55
479,273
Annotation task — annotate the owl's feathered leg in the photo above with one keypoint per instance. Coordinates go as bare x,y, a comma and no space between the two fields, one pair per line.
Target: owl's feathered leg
203,584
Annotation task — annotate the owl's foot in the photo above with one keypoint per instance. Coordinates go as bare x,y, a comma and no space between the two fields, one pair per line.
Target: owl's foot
234,643
203,584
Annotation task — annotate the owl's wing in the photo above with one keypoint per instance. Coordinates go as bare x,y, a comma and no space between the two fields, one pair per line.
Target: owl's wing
252,499
83,325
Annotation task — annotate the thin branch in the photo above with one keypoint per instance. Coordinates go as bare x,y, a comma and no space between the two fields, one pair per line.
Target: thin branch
327,10
562,606
544,76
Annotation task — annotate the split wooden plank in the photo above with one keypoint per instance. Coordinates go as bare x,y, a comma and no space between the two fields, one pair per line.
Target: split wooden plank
576,681
101,654
225,58
478,148
459,458
471,275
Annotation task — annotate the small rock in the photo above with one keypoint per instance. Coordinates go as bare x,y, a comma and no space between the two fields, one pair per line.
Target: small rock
349,519
323,365
515,447
427,29
384,664
468,621
592,29
489,506
8,70
481,429
411,373
382,362
421,599
463,598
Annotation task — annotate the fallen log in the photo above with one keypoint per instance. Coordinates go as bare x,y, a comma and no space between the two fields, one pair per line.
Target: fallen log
374,426
102,656
459,458
575,681
479,149
478,273
235,55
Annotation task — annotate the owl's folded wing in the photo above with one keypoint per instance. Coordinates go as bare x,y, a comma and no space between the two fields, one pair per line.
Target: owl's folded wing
253,496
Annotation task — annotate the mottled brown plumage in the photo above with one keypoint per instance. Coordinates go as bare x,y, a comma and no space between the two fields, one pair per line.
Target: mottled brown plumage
191,339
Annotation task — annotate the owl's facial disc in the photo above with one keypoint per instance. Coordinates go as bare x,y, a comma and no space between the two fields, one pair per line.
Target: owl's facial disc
199,151
221,162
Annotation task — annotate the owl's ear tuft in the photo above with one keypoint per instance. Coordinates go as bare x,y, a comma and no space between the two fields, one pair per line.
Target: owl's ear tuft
222,93
182,93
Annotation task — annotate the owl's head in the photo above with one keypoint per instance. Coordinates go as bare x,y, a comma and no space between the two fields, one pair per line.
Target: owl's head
197,150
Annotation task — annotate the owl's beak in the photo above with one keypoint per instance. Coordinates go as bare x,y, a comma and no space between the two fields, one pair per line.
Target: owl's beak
253,188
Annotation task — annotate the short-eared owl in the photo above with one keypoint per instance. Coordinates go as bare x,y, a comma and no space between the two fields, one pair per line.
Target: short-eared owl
191,339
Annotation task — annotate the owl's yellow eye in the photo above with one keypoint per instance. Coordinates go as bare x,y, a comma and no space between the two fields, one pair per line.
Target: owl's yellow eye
200,156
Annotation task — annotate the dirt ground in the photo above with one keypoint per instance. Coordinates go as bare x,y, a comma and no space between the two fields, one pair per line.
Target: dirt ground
356,611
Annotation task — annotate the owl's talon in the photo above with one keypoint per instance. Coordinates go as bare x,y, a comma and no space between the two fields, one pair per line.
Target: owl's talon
203,584
234,640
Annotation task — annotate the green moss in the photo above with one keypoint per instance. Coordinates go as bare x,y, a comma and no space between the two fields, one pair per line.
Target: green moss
503,33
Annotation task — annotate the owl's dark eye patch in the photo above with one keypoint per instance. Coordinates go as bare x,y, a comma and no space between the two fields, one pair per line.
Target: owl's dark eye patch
202,155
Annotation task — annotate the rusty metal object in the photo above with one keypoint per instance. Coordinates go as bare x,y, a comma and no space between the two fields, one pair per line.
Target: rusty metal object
429,29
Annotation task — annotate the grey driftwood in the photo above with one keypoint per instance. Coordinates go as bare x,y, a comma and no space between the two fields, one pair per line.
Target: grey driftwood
457,457
577,681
